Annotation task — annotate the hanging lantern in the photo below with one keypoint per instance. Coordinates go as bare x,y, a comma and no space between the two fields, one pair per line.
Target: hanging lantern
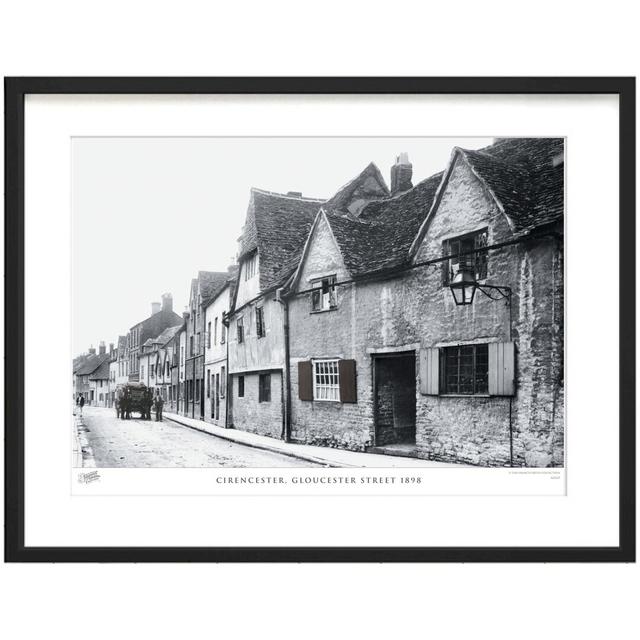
463,286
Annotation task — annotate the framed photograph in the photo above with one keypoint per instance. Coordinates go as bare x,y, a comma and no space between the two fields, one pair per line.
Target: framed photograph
320,319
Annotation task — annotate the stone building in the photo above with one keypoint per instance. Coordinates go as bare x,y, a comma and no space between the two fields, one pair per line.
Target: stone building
85,365
178,372
202,288
99,381
216,310
273,235
122,361
162,316
381,356
155,362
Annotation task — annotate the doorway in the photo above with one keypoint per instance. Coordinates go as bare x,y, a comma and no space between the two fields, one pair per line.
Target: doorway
395,398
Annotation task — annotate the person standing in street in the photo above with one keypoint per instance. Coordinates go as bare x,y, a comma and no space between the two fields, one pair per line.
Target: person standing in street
81,403
158,407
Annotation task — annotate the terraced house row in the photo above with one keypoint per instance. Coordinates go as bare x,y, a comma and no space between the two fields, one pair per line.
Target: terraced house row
418,320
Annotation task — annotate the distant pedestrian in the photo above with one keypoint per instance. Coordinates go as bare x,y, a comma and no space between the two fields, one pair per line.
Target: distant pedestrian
81,403
158,407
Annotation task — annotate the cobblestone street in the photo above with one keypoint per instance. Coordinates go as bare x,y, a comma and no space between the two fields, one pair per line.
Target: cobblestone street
143,443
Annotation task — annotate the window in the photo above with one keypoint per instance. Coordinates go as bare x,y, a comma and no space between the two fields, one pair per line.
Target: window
264,387
142,371
477,262
215,331
326,380
223,331
191,351
209,334
198,342
152,370
182,355
251,267
464,369
208,383
223,381
197,389
260,328
240,386
324,298
240,327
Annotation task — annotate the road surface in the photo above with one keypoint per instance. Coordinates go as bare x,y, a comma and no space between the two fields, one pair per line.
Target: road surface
145,443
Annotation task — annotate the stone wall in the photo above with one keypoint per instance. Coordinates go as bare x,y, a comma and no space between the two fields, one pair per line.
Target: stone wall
415,310
246,413
213,369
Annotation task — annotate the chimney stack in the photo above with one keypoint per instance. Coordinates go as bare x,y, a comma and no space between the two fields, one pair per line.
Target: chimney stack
103,348
155,308
110,346
185,314
401,174
92,350
167,302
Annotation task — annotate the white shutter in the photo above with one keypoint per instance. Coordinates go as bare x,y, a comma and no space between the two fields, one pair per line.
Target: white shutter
501,369
430,371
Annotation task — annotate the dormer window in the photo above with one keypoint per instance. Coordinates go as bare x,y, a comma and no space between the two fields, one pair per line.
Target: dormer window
324,295
251,266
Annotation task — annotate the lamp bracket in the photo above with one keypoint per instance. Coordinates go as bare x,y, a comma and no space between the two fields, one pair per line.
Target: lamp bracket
495,292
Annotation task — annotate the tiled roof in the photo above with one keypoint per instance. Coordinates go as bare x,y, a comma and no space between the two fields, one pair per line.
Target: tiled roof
520,173
523,177
227,278
380,238
277,225
89,363
357,188
210,282
101,372
79,362
167,334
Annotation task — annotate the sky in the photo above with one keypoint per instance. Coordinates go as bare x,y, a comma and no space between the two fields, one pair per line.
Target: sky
149,213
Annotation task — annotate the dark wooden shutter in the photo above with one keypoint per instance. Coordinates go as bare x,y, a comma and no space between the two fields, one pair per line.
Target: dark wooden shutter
347,372
305,380
430,372
501,369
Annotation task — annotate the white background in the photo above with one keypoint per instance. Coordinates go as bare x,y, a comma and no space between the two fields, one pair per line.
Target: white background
368,38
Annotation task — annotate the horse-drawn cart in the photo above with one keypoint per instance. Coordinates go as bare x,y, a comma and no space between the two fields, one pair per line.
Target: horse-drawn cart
133,396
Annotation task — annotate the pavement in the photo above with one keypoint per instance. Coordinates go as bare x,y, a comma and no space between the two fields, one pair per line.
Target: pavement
321,456
82,451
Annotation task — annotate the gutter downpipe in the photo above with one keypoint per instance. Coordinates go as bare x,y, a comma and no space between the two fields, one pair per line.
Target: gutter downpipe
227,390
286,431
510,303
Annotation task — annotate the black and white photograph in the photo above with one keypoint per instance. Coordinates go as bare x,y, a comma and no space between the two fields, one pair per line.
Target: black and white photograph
318,302
319,320
364,316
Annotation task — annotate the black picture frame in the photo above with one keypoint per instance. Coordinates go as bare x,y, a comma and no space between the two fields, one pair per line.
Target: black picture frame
15,91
